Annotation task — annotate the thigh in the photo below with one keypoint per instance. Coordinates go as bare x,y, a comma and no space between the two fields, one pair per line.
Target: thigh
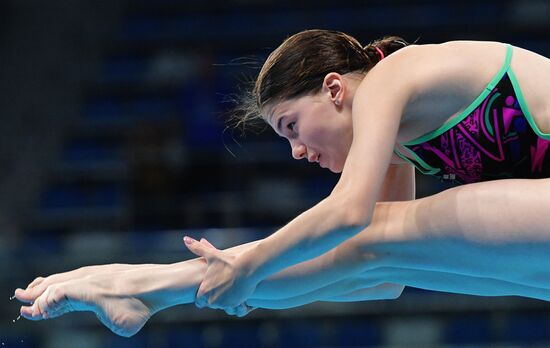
496,230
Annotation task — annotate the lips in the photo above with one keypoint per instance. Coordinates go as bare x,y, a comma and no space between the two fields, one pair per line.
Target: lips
313,158
320,163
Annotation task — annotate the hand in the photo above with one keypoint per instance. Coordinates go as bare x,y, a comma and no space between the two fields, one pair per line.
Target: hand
243,309
225,286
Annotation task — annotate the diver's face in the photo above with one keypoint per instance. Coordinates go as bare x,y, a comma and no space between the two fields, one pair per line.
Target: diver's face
316,128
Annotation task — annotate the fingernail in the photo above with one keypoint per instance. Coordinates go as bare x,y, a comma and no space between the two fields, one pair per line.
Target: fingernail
188,240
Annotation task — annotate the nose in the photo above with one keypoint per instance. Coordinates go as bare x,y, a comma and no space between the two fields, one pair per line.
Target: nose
299,151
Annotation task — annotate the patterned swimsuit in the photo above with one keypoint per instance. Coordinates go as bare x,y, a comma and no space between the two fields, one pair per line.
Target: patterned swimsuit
493,138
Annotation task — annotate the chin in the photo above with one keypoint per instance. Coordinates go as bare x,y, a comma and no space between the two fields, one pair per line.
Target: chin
333,167
337,170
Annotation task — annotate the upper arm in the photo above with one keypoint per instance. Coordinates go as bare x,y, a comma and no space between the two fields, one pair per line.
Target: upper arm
399,183
377,109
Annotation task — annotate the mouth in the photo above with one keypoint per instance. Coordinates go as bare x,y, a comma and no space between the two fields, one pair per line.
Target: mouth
319,161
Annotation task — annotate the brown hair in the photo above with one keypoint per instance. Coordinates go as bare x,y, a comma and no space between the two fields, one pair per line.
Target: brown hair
299,65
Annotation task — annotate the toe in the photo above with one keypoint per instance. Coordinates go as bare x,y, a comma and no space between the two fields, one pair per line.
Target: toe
24,295
28,313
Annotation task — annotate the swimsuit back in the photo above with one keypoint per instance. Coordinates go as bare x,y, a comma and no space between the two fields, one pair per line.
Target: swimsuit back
495,137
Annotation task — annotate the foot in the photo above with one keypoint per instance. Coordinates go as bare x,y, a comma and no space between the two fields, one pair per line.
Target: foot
40,284
123,314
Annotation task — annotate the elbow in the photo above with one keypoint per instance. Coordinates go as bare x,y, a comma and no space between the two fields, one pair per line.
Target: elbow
352,212
395,292
354,217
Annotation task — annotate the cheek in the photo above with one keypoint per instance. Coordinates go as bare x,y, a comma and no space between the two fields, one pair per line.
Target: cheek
342,145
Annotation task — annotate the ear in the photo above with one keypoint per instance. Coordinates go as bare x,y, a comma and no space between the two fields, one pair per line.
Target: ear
333,86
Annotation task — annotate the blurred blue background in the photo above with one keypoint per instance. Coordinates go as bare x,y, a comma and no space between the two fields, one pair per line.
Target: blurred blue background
113,146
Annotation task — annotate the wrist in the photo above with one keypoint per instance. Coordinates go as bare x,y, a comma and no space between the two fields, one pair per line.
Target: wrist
248,265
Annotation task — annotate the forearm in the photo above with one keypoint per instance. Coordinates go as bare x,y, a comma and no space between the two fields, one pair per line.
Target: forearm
347,290
311,234
384,291
170,284
178,283
453,283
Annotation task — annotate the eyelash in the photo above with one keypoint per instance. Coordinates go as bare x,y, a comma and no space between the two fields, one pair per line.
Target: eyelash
291,125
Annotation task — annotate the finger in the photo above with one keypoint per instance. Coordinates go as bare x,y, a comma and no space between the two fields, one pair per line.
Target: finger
201,301
200,297
243,309
196,247
240,310
230,311
214,302
204,301
204,241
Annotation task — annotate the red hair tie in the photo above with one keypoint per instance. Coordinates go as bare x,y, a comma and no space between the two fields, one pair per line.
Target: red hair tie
380,52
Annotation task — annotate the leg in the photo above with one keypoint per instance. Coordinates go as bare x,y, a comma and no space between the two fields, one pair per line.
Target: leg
415,235
498,230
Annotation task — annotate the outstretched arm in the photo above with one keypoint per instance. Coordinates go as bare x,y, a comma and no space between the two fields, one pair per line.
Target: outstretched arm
377,107
445,233
124,297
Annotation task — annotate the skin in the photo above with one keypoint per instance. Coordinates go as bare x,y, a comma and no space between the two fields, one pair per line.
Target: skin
352,240
354,123
411,243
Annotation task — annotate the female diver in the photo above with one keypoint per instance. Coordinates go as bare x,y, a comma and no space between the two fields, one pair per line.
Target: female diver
467,111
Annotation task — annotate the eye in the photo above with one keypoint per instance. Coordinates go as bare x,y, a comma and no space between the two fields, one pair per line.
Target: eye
291,126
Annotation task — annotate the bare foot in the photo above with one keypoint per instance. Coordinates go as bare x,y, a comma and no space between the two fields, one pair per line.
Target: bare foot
123,314
40,284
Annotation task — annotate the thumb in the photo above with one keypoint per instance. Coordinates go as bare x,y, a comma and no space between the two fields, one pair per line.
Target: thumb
195,247
243,310
203,240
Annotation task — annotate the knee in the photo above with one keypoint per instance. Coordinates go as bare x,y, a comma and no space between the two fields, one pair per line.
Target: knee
372,255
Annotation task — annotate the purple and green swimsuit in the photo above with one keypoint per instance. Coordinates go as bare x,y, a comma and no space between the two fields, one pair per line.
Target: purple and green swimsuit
495,137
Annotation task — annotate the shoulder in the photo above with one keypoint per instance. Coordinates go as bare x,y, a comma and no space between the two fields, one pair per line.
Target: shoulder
446,55
459,49
453,64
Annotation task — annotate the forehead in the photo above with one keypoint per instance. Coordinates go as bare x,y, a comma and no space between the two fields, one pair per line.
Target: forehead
275,111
